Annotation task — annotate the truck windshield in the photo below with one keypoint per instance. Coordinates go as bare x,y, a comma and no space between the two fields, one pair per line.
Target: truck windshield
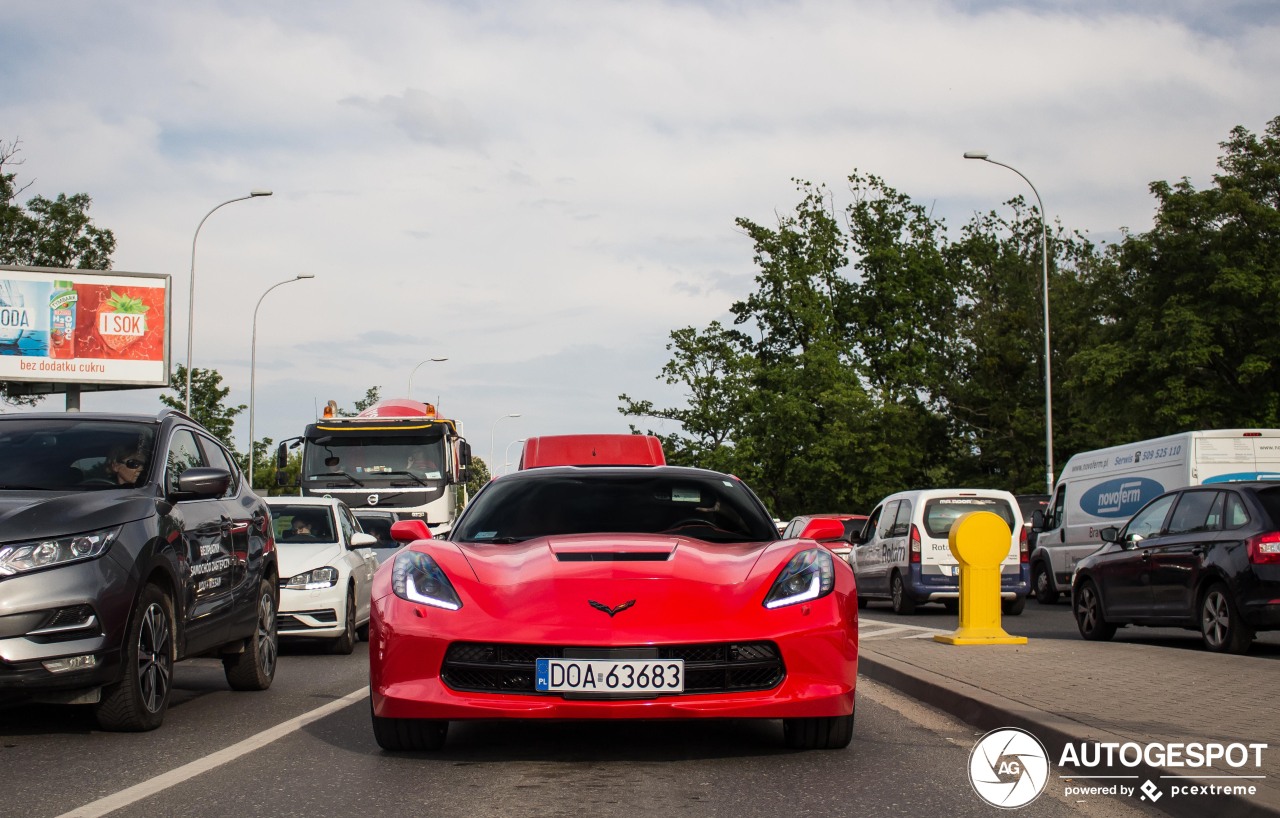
363,457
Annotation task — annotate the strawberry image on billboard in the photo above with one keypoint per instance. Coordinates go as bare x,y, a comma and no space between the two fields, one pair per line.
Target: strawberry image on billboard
127,322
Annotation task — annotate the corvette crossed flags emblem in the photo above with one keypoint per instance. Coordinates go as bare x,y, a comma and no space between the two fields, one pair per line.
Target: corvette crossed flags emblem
600,606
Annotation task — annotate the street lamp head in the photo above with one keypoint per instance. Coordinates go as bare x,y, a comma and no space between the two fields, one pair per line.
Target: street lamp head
975,154
303,275
514,415
439,360
258,191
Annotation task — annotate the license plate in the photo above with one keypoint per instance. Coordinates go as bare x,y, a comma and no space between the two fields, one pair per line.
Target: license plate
642,677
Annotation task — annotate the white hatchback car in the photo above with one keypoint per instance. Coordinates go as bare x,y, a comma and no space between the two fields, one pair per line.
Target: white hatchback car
326,570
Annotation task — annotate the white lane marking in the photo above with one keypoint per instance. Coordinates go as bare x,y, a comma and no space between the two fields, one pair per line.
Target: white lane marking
164,781
885,632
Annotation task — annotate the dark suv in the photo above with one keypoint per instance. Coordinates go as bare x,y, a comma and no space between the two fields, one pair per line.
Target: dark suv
128,542
1206,557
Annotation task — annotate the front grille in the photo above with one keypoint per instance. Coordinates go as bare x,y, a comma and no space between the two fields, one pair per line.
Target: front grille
290,622
727,667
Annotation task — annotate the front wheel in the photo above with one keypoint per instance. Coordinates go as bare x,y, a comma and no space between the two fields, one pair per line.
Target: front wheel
139,700
255,666
902,603
346,643
1045,594
1013,607
824,733
1087,608
1221,626
408,734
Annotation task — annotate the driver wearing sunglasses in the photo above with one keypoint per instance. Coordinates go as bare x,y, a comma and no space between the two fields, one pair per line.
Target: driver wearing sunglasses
127,466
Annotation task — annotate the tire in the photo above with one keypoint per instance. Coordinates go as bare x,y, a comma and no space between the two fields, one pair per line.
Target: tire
255,666
1013,607
952,605
902,603
346,643
825,733
1087,608
1043,585
139,700
1221,626
862,602
417,735
363,632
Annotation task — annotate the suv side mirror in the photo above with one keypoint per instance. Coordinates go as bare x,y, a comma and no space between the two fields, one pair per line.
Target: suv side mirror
1037,519
201,481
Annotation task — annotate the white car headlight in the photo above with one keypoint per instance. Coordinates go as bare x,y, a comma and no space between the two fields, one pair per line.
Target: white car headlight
314,580
809,575
37,554
417,578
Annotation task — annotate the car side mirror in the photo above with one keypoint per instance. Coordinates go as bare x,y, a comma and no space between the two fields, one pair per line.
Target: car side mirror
363,540
1109,534
200,482
1037,519
410,531
823,530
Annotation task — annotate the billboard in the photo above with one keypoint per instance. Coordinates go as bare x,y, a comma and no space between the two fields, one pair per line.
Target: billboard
95,330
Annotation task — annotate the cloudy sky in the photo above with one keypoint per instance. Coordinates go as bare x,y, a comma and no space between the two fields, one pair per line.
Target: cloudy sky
542,191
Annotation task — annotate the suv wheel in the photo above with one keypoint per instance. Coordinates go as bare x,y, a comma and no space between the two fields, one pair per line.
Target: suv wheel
902,602
1220,623
255,666
139,700
1040,580
1088,612
346,643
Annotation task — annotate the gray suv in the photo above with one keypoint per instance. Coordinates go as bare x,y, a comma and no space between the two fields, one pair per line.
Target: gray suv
128,542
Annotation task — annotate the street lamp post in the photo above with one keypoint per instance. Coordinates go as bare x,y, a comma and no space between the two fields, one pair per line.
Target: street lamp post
491,431
409,394
253,360
1044,255
506,455
191,293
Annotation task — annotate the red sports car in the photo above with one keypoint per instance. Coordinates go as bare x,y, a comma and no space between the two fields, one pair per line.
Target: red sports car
612,593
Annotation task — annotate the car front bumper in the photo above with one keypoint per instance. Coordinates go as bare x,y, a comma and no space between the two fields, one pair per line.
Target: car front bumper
408,644
317,613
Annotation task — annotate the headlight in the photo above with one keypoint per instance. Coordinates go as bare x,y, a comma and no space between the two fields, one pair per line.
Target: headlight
314,580
32,556
417,578
809,575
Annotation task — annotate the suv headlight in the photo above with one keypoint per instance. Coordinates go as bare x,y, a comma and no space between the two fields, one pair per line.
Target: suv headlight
313,580
809,575
37,554
417,578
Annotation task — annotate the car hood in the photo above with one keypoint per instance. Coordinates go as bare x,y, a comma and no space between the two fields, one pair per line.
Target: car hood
298,557
555,583
31,515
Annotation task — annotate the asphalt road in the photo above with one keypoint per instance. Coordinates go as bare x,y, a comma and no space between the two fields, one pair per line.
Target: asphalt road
906,759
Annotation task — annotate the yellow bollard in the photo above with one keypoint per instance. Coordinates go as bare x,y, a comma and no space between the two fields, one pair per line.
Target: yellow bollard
980,542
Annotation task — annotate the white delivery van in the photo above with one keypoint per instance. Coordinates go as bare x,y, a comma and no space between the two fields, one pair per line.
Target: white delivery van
902,554
1106,487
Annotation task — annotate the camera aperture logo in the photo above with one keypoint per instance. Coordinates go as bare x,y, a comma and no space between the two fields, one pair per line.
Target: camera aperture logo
1008,768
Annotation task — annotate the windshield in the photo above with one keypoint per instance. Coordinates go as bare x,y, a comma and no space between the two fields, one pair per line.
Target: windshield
408,458
302,523
705,506
57,454
941,513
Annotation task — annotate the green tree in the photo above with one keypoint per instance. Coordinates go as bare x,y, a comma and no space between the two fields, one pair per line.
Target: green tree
371,396
47,233
1184,338
477,476
208,397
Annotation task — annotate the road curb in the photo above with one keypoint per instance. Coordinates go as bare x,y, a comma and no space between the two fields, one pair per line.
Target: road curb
987,711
